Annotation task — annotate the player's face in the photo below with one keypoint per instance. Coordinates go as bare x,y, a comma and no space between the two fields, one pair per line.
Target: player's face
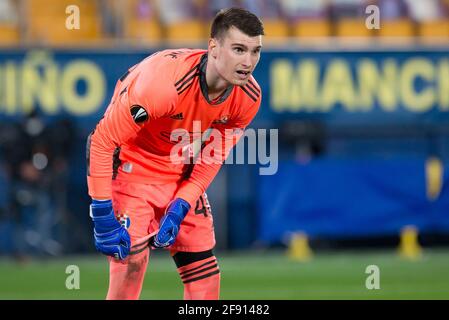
237,55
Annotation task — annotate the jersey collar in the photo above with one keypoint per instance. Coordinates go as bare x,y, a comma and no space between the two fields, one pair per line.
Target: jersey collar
203,84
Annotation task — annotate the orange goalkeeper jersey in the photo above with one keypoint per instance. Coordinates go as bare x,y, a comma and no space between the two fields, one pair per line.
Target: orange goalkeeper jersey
164,92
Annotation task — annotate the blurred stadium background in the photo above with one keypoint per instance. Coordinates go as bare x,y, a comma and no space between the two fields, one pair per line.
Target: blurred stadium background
363,128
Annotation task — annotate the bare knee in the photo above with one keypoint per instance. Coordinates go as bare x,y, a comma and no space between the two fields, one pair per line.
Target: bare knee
135,266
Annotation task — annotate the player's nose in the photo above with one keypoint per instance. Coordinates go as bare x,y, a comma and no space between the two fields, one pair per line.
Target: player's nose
247,63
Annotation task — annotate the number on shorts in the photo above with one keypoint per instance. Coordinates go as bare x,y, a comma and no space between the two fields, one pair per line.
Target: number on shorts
203,206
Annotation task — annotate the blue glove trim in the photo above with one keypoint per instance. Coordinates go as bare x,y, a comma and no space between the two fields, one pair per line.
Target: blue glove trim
179,207
100,208
103,216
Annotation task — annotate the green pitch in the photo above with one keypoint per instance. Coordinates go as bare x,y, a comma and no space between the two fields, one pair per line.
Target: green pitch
247,275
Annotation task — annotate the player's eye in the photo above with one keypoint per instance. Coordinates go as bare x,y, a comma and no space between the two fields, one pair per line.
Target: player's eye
238,50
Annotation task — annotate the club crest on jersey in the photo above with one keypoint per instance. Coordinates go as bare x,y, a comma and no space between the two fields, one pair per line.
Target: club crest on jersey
222,120
139,114
124,220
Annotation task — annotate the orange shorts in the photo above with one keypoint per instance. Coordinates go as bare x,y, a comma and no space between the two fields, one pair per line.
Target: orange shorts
140,207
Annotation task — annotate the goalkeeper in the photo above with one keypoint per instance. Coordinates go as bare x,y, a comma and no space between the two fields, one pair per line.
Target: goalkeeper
141,197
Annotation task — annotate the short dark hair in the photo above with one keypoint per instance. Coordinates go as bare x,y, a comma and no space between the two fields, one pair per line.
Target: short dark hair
242,19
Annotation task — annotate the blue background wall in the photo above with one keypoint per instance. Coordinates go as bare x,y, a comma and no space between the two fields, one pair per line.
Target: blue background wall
382,114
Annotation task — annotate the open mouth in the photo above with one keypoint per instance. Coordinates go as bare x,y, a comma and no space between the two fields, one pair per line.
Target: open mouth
243,74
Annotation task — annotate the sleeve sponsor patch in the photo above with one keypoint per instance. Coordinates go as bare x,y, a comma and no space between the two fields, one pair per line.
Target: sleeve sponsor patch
139,114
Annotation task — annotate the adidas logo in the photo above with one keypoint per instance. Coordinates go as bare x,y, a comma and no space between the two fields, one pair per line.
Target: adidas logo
178,116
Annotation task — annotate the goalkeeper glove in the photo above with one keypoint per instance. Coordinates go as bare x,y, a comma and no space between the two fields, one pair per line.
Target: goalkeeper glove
111,238
170,223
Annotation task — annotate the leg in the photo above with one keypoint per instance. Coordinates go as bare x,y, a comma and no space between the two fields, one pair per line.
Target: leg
126,277
133,210
193,255
200,274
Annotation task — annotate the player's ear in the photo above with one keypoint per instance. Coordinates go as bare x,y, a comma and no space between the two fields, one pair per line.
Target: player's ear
213,47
